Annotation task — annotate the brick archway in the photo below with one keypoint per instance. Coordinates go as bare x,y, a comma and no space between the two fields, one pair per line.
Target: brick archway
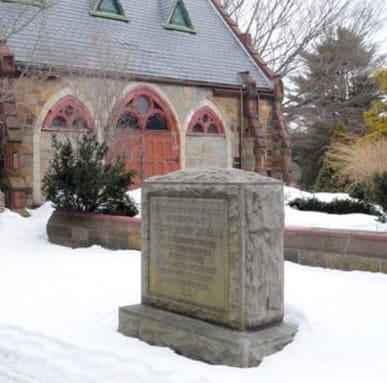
144,133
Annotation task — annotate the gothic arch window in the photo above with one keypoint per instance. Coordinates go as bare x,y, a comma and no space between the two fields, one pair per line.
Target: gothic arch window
143,111
68,114
205,123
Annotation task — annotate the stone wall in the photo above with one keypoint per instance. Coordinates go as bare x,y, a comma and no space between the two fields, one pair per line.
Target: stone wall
87,229
337,249
2,204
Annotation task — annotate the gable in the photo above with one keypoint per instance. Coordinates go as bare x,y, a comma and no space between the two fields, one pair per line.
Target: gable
142,47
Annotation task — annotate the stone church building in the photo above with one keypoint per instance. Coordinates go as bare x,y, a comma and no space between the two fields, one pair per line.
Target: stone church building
167,84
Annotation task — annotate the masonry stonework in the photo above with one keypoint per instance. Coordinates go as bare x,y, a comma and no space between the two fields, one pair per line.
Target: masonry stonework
2,202
337,249
34,98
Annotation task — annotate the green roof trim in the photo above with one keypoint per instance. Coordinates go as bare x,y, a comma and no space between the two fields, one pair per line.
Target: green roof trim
34,3
109,9
179,19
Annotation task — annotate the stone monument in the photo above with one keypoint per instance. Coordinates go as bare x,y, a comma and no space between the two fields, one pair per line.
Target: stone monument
212,266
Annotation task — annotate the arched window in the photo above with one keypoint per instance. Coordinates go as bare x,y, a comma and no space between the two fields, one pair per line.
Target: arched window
205,123
68,114
143,111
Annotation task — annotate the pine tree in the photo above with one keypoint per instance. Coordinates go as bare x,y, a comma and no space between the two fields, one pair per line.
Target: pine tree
335,90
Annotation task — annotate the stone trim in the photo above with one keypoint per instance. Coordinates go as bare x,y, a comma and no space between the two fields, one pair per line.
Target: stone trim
337,249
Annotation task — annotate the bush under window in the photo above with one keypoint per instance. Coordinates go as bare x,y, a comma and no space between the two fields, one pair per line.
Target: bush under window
79,179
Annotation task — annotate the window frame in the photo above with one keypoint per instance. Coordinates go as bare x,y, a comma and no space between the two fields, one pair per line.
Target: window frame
177,27
108,15
143,118
56,111
213,119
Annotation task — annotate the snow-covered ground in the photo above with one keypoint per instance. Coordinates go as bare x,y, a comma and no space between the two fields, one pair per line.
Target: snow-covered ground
59,313
294,217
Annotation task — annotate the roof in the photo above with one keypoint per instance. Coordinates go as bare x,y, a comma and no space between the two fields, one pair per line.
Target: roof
67,36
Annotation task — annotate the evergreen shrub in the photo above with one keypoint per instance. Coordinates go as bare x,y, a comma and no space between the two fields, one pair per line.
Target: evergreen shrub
79,179
379,189
359,190
345,206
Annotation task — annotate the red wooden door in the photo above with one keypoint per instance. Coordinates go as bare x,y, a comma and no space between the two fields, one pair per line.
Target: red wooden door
146,137
161,153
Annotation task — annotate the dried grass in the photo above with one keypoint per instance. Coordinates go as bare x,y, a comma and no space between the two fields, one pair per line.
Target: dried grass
358,162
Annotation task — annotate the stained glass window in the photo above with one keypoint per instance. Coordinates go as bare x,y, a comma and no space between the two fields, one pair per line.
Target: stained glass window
143,112
68,113
205,122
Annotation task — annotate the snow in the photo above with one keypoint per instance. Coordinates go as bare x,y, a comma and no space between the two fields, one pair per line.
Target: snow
294,217
59,315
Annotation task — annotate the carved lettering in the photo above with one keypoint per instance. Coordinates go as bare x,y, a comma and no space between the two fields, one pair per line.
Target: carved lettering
189,250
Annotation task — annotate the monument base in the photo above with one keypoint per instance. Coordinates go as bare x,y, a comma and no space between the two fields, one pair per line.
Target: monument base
201,340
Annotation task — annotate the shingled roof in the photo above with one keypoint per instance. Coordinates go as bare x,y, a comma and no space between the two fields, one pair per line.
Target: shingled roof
67,36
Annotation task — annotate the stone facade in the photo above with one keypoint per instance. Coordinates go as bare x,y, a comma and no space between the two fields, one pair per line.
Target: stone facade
35,97
212,250
248,108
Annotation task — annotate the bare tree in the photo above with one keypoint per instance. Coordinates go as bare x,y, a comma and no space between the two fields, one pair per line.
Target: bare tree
282,30
104,84
19,16
12,22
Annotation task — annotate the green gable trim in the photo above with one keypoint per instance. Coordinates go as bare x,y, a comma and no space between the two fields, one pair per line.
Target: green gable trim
179,28
34,3
179,19
116,12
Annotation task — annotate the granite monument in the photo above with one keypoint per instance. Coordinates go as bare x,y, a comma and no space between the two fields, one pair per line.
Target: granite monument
212,266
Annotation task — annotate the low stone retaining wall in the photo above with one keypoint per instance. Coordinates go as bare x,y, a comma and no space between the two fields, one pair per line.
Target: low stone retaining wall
86,229
2,203
334,249
337,249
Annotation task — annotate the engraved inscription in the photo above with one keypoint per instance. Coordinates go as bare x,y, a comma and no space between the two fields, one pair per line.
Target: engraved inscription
189,250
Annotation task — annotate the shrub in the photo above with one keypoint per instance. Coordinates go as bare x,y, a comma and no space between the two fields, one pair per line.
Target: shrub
379,189
336,206
359,191
358,162
80,180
